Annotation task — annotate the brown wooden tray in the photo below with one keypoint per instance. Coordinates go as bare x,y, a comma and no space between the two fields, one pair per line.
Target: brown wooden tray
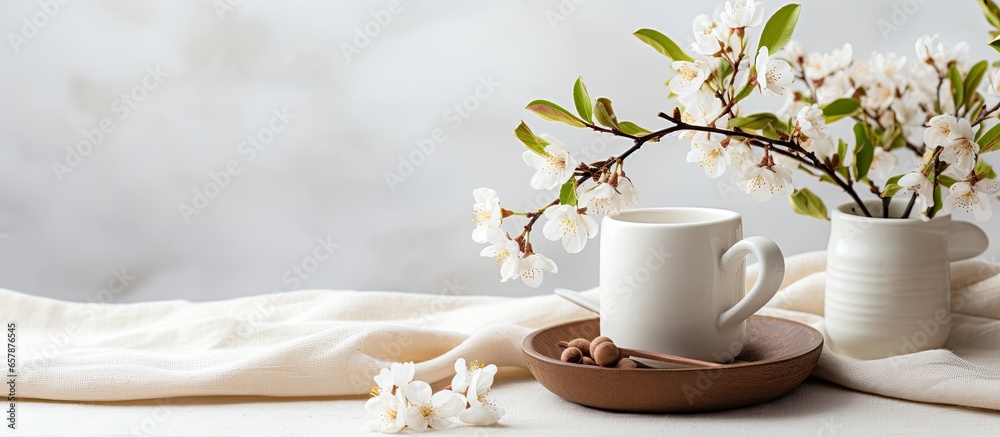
779,354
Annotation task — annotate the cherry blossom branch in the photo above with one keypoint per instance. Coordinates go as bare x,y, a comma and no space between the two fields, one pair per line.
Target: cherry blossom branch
813,161
596,169
986,113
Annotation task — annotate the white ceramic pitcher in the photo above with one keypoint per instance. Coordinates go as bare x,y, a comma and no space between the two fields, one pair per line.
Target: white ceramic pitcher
888,283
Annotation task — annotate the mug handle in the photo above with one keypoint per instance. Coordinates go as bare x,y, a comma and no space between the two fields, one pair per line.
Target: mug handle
772,272
966,240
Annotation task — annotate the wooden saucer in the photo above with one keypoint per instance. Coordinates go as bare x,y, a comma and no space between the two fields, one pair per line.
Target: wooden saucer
779,354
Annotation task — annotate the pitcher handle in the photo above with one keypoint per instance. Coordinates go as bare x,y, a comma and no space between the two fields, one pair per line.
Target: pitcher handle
772,272
966,240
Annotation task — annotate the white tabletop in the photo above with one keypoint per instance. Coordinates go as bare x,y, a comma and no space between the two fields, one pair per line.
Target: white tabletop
817,408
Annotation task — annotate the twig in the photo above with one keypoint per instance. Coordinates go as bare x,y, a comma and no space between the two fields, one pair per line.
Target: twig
909,206
814,161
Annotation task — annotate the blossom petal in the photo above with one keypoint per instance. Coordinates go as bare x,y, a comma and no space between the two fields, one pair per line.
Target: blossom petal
418,392
543,180
533,159
485,196
483,234
374,406
574,243
479,415
447,403
402,374
415,419
590,225
443,423
552,231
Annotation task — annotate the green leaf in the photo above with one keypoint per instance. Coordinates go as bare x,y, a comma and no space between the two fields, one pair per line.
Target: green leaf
723,72
554,112
662,44
805,202
946,180
842,149
840,108
957,86
984,170
771,132
995,43
892,186
972,81
744,92
604,114
581,98
533,142
567,194
632,128
991,12
778,30
756,121
990,141
864,151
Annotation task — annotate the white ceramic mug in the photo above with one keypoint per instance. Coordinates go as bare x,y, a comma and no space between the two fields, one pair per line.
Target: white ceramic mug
672,281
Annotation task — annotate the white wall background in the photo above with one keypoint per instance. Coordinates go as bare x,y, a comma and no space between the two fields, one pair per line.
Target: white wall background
323,176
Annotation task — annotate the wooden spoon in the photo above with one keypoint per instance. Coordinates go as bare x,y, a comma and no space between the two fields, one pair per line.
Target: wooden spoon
661,357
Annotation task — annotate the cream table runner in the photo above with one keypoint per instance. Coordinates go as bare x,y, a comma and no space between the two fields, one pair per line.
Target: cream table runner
322,343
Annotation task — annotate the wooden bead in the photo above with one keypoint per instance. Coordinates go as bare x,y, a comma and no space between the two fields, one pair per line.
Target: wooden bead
572,355
583,344
626,363
588,361
606,354
597,341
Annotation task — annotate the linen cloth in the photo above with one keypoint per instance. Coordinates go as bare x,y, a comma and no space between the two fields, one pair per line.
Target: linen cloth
313,343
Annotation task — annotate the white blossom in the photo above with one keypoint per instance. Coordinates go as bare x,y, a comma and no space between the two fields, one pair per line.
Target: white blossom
820,65
689,78
629,195
742,13
763,182
883,163
888,66
567,224
960,149
602,199
793,51
773,75
434,411
481,411
463,374
506,252
810,122
707,152
971,198
486,214
932,50
389,411
531,268
553,168
939,130
708,37
822,147
994,86
918,183
700,109
741,156
879,95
